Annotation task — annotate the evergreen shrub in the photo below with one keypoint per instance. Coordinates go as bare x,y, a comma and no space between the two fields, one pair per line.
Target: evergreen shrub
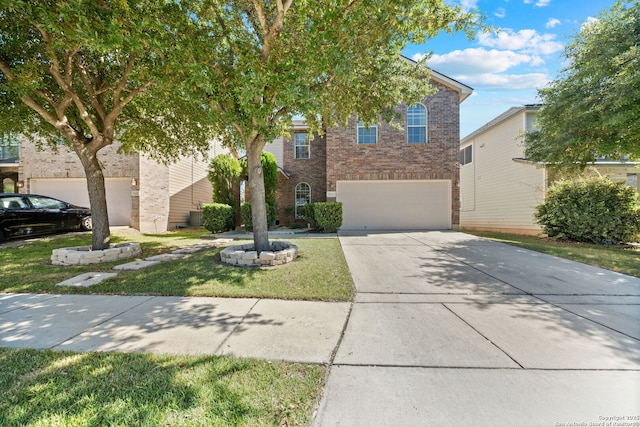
594,210
218,217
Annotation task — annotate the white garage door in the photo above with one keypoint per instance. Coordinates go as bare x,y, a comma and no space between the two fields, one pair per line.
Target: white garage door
74,191
395,205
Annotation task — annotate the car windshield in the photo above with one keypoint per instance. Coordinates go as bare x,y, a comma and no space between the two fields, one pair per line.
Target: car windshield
40,202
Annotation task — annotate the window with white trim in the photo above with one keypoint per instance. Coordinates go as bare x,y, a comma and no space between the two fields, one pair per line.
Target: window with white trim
302,145
303,196
466,155
367,135
417,124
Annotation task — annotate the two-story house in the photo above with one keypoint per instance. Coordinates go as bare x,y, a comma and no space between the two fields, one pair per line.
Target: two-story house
500,188
141,193
386,178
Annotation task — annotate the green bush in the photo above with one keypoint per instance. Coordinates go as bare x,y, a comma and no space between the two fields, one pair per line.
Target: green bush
224,174
218,217
590,210
247,218
308,215
327,215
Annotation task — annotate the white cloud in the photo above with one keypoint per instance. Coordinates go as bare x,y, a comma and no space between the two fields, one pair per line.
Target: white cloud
505,81
480,60
589,21
539,3
468,4
500,12
552,23
527,41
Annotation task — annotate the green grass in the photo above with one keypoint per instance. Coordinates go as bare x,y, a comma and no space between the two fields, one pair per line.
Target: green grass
624,260
319,273
49,388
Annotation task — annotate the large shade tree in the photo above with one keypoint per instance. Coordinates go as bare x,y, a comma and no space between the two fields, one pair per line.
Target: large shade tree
262,62
89,72
593,109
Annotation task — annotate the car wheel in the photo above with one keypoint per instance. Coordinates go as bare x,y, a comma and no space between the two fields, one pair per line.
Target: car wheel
86,223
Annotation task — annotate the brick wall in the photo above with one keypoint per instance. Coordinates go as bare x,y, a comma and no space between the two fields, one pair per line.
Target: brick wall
64,163
392,158
312,171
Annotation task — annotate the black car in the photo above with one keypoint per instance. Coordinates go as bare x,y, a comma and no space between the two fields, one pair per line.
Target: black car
24,214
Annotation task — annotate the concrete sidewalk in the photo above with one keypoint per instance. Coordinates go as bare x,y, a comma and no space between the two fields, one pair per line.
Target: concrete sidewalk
298,331
453,330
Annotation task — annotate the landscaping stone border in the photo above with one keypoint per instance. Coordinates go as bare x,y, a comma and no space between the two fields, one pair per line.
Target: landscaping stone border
245,255
83,255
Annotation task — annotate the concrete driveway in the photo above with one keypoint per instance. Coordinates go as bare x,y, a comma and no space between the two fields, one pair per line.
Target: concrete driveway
453,330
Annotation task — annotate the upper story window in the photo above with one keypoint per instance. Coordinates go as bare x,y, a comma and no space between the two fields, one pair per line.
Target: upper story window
417,124
9,147
466,155
302,145
367,135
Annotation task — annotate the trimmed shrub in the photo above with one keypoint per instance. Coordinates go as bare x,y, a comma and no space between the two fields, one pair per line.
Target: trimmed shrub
218,217
224,174
327,215
308,215
247,218
590,210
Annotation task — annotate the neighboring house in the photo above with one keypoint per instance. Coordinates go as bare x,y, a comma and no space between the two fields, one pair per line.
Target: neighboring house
385,178
499,188
141,193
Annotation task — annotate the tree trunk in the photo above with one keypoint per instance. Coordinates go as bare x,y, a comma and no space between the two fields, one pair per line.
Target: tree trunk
100,234
258,203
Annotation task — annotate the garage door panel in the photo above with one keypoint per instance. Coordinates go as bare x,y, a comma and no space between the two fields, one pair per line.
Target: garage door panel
75,191
395,205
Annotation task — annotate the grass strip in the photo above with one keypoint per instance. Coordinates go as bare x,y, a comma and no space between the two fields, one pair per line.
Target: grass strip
47,388
319,273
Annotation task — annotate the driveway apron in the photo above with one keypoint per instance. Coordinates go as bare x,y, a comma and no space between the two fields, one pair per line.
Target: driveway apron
449,329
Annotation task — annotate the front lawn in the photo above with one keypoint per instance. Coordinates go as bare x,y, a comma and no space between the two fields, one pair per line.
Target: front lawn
624,260
52,388
319,273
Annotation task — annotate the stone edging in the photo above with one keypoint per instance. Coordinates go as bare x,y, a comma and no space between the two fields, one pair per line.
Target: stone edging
83,255
246,255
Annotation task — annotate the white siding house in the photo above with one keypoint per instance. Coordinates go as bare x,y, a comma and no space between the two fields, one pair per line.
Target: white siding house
499,190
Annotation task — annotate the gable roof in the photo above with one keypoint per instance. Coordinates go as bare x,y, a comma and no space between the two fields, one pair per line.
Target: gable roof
463,90
501,118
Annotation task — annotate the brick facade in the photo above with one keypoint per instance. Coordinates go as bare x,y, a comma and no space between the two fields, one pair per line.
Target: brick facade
64,163
312,171
392,158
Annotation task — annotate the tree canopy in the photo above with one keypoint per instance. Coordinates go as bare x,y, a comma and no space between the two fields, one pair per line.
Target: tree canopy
593,109
92,72
261,63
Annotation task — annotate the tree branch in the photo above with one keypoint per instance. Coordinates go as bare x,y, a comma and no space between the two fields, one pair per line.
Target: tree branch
93,95
261,18
65,84
275,28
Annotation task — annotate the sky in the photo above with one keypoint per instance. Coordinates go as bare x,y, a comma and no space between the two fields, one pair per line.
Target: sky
507,68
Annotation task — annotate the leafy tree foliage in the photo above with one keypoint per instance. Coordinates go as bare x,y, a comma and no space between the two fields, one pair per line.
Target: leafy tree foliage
593,109
261,63
224,175
95,71
590,210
